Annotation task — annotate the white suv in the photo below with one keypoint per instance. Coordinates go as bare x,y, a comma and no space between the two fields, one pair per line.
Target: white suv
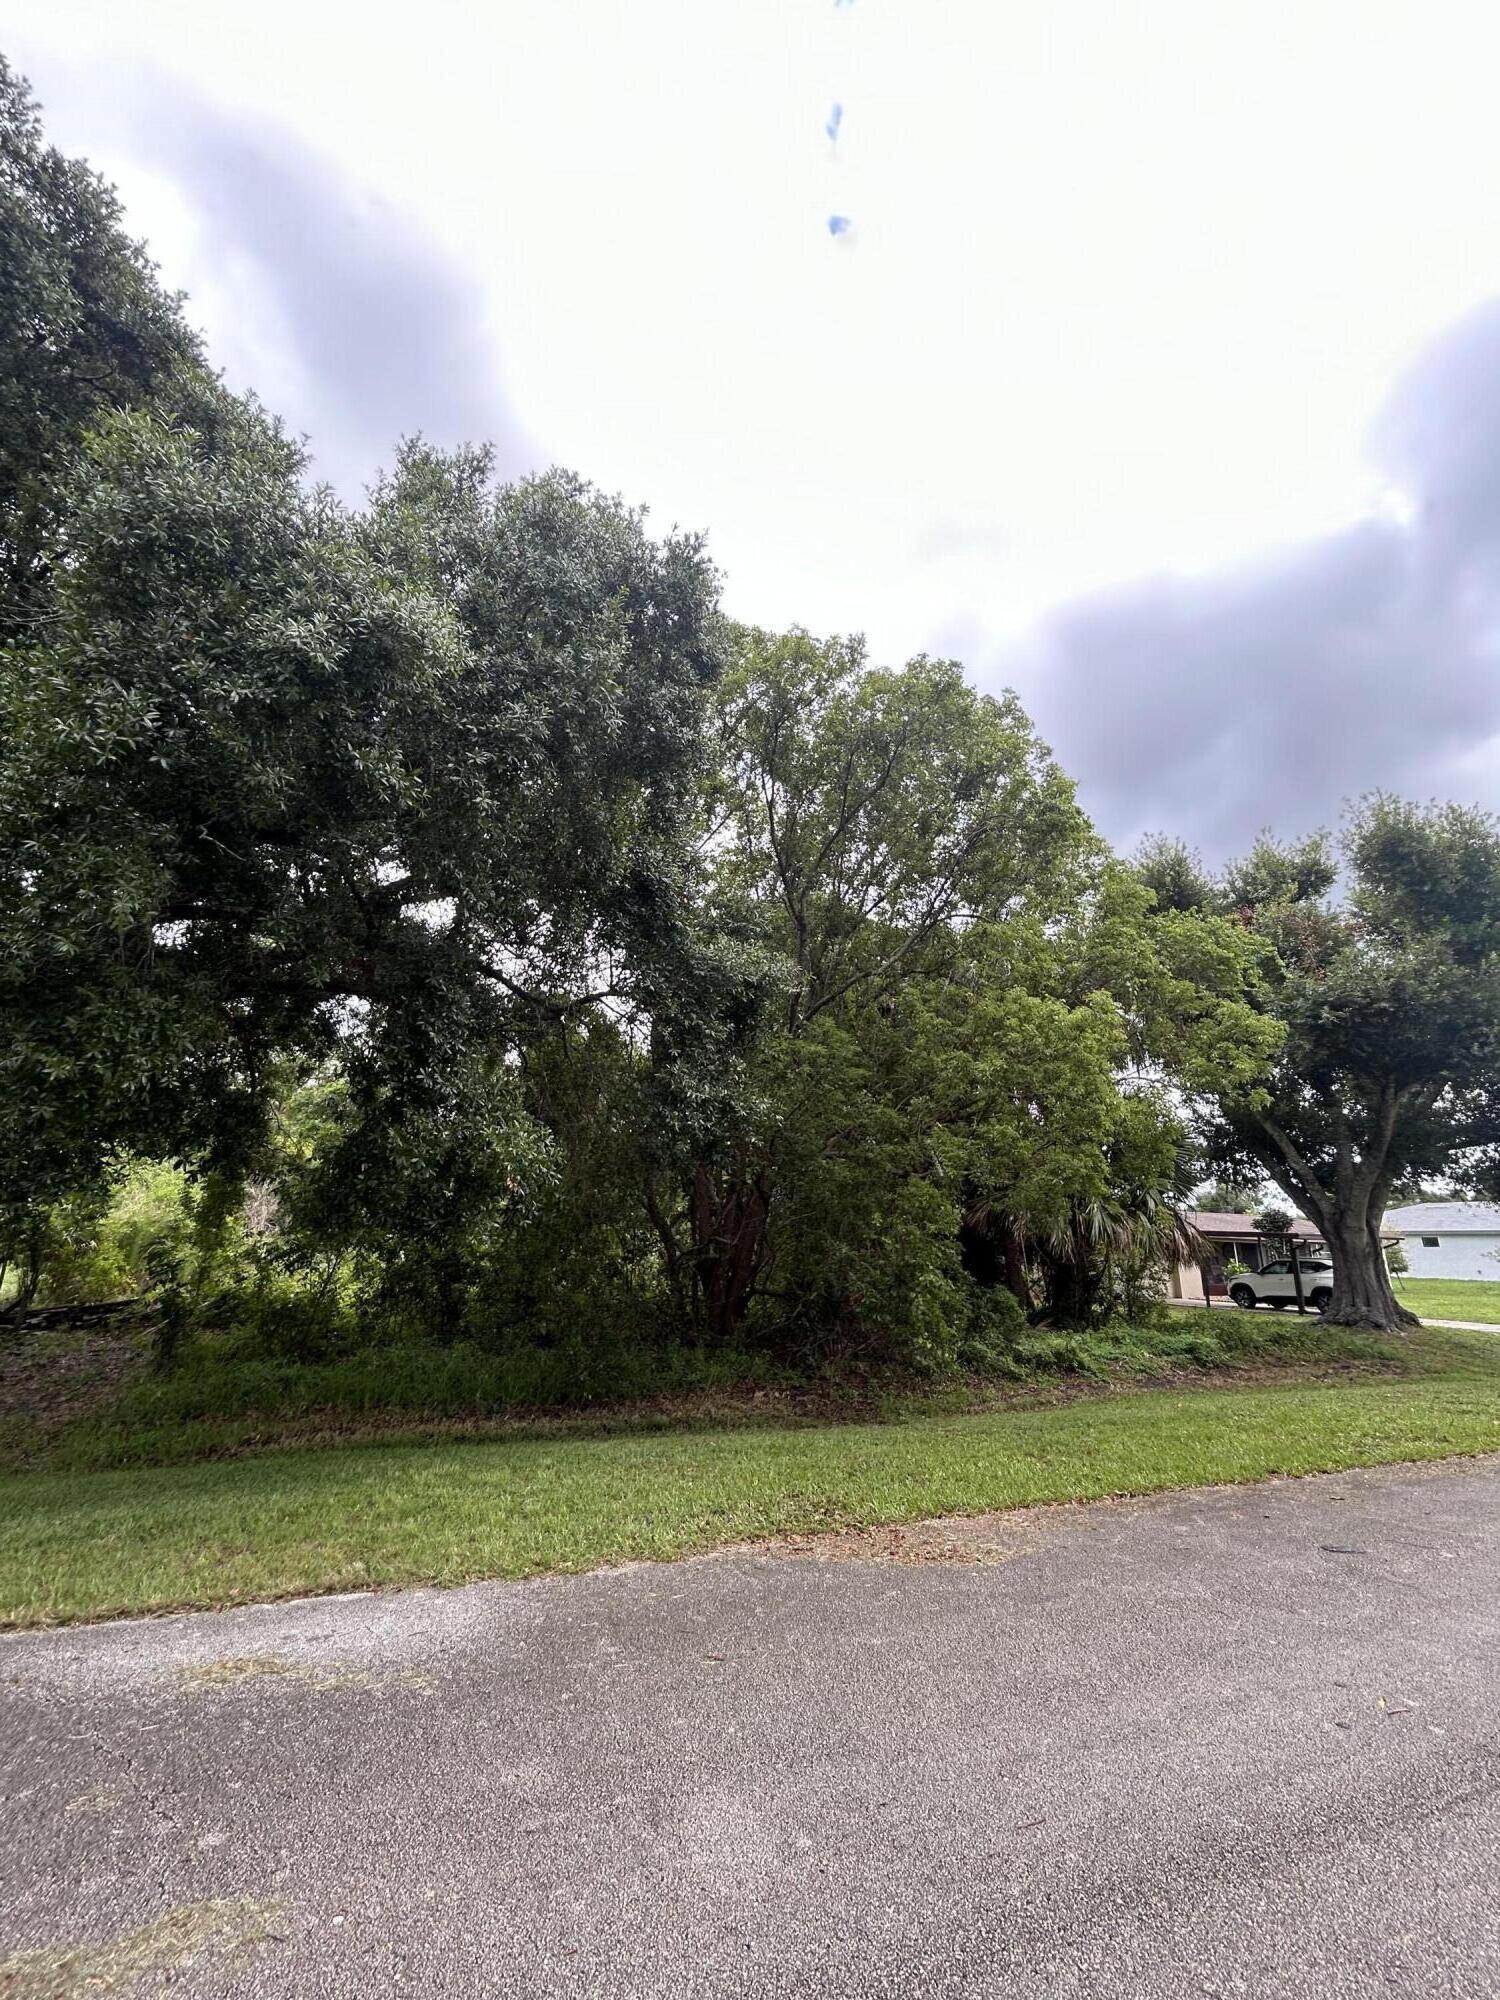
1276,1286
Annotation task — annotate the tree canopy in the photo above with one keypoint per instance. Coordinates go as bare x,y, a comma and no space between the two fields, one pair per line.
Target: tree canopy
1383,970
85,329
282,783
482,927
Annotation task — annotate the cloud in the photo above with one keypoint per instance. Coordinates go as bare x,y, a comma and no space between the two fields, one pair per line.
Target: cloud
1265,695
387,330
347,319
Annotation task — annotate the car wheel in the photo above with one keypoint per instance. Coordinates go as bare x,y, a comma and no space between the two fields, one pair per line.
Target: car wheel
1320,1298
1243,1296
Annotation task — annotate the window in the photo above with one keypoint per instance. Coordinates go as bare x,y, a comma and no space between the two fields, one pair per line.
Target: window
1429,1243
1275,1270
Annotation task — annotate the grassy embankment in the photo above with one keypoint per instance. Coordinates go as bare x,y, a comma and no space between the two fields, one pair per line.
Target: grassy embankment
572,1494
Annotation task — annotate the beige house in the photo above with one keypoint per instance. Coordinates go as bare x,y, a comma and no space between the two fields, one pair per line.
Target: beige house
1231,1239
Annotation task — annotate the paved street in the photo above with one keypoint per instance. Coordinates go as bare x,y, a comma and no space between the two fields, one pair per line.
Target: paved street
1236,1742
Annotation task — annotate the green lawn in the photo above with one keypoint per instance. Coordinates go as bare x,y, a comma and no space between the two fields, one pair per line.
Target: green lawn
1452,1298
94,1544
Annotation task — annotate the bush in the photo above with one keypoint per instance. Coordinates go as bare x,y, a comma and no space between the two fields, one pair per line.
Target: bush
1059,1354
215,1381
105,1245
995,1323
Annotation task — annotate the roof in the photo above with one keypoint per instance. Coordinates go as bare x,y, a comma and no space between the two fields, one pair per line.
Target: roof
1452,1218
1213,1222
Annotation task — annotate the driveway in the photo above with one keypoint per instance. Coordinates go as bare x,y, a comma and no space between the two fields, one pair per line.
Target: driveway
1244,1741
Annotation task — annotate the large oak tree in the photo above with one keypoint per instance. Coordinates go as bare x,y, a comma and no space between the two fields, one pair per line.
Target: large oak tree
281,783
1385,977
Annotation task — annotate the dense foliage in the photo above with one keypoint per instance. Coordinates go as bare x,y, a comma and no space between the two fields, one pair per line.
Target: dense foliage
438,920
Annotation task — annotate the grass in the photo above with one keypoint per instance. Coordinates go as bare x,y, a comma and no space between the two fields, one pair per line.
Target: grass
83,1400
78,1403
1451,1298
102,1543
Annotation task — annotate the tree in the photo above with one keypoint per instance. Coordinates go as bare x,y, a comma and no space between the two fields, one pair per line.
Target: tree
1389,997
281,783
1275,1224
1228,1197
956,1075
84,329
406,791
868,829
1096,1202
1099,1256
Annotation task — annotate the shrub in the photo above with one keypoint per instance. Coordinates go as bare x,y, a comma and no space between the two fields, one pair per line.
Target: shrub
105,1245
995,1324
1060,1354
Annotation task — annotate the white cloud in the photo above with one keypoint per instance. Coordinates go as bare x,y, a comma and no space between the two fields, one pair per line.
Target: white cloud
1129,279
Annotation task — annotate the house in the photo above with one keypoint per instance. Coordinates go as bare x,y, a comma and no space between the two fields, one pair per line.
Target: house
1231,1239
1449,1239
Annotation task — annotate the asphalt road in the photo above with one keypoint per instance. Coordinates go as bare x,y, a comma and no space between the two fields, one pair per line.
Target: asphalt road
1235,1742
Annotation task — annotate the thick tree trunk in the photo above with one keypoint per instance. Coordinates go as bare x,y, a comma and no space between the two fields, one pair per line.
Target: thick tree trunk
1348,1205
1362,1294
729,1224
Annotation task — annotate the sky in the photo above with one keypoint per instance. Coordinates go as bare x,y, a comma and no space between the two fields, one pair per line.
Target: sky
1158,374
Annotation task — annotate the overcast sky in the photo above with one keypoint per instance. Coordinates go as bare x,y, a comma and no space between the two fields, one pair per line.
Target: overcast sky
1156,375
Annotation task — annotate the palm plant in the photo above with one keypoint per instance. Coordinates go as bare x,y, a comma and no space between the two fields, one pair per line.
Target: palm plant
1096,1256
1101,1255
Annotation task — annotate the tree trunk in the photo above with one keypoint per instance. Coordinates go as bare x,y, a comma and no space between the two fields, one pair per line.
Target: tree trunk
992,1251
729,1247
1015,1268
1362,1294
671,1249
979,1250
1073,1287
1349,1211
28,1280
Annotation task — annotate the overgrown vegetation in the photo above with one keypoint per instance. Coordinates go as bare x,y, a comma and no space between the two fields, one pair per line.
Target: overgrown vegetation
80,1545
81,1400
446,965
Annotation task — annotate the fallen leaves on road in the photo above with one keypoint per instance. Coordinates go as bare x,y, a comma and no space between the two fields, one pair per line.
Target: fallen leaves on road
233,1671
173,1941
97,1799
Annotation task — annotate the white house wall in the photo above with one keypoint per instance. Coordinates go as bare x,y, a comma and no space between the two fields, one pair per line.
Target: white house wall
1454,1256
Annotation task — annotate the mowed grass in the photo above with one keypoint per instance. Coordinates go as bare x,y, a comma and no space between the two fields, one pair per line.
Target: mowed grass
96,1544
1451,1298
